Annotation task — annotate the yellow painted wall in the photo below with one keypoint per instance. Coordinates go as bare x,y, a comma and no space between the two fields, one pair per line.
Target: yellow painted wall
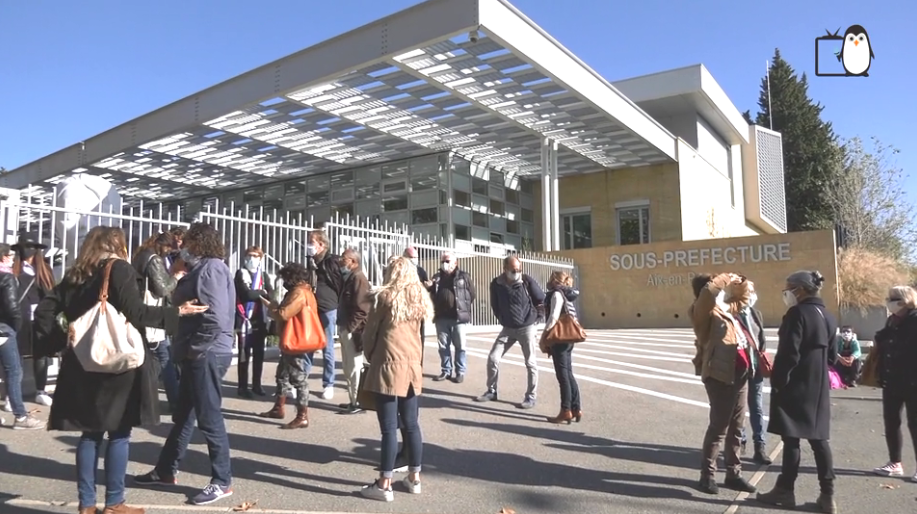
659,296
602,190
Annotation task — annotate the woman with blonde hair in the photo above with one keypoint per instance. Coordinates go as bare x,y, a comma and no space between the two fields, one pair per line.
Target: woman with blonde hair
560,298
392,346
896,347
96,403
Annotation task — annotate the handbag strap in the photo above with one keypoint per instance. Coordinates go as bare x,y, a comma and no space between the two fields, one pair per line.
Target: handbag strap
106,275
27,289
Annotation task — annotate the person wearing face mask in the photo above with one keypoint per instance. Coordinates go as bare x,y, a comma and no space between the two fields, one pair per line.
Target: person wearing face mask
518,303
252,283
848,366
800,389
751,321
896,348
453,294
723,361
328,287
352,311
35,282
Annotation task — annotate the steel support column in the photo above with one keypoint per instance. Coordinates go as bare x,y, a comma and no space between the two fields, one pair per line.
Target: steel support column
550,223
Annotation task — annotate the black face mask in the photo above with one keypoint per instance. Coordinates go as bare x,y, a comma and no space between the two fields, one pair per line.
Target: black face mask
27,253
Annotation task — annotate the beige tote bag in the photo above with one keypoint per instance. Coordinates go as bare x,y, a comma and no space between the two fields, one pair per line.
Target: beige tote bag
103,340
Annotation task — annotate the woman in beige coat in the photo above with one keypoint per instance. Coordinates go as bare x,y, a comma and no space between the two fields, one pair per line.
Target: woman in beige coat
392,346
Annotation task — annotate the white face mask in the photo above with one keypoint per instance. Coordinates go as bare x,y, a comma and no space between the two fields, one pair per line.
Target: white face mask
847,336
252,264
893,307
513,276
752,299
789,299
721,301
446,266
189,259
310,250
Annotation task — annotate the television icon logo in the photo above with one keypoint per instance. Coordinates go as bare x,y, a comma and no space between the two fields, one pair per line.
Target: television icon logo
849,55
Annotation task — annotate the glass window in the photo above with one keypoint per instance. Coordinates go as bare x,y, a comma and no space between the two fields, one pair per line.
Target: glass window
394,187
463,232
512,227
371,175
496,238
528,215
461,199
342,211
497,208
496,192
396,203
512,196
252,195
342,180
497,176
577,231
634,225
318,199
478,186
422,216
443,198
271,205
368,191
460,165
479,219
294,188
527,186
424,173
395,170
273,192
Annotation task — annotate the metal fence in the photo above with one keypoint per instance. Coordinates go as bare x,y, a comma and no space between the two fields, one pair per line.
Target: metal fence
282,237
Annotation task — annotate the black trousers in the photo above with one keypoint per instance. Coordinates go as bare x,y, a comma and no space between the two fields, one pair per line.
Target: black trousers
40,367
562,355
824,463
850,374
892,402
251,348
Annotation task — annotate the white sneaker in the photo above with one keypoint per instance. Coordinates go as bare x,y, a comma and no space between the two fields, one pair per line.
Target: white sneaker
373,492
43,398
892,469
412,487
28,422
914,478
328,393
7,406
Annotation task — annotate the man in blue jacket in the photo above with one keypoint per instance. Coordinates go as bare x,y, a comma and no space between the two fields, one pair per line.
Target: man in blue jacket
518,304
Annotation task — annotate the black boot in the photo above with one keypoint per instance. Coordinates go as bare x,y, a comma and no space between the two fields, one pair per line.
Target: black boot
708,485
737,483
761,455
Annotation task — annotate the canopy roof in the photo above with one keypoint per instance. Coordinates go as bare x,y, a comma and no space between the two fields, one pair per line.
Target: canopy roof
475,77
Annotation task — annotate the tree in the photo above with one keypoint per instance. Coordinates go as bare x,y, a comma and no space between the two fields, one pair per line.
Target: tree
810,151
869,200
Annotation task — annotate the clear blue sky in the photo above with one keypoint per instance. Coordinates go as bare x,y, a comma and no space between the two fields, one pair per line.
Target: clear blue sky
69,70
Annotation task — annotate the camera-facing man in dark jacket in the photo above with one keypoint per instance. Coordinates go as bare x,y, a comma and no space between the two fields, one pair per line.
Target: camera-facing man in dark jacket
328,287
453,293
518,303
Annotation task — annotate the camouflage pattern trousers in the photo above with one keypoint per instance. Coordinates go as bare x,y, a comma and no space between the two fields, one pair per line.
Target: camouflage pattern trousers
291,375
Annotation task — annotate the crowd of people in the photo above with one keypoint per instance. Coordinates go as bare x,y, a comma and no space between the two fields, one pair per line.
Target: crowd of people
191,313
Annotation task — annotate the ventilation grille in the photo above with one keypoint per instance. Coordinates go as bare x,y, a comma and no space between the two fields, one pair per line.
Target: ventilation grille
770,177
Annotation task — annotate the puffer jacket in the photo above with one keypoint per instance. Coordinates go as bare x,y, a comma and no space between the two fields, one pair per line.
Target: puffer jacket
10,314
716,346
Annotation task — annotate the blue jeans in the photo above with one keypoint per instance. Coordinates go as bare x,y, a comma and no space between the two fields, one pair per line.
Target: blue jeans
755,410
451,332
329,320
200,397
12,366
390,410
168,374
87,462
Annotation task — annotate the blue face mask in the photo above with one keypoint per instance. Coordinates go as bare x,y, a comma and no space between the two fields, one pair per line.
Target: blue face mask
189,259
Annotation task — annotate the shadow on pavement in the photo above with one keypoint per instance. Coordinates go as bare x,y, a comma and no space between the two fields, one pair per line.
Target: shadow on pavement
662,455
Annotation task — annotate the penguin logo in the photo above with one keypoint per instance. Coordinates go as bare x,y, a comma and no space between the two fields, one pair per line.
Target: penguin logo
854,57
856,54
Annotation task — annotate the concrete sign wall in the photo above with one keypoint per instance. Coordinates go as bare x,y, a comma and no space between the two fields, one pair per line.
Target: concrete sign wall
649,286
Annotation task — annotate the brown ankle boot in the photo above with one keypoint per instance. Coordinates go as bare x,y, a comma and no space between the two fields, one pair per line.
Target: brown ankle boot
276,411
578,415
88,510
123,509
300,421
564,417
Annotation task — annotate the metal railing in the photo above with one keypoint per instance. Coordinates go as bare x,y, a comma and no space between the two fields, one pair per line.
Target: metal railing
282,238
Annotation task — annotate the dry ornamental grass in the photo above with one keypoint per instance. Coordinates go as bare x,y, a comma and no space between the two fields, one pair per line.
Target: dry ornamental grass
864,277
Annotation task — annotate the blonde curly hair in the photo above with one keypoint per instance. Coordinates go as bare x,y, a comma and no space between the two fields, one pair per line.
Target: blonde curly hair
409,298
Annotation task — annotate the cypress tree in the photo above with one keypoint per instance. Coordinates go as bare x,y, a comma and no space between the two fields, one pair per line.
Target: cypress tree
811,155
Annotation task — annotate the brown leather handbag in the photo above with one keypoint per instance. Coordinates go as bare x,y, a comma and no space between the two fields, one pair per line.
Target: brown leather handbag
566,330
303,333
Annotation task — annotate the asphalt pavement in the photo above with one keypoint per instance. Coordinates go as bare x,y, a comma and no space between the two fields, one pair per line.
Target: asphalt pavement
636,450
